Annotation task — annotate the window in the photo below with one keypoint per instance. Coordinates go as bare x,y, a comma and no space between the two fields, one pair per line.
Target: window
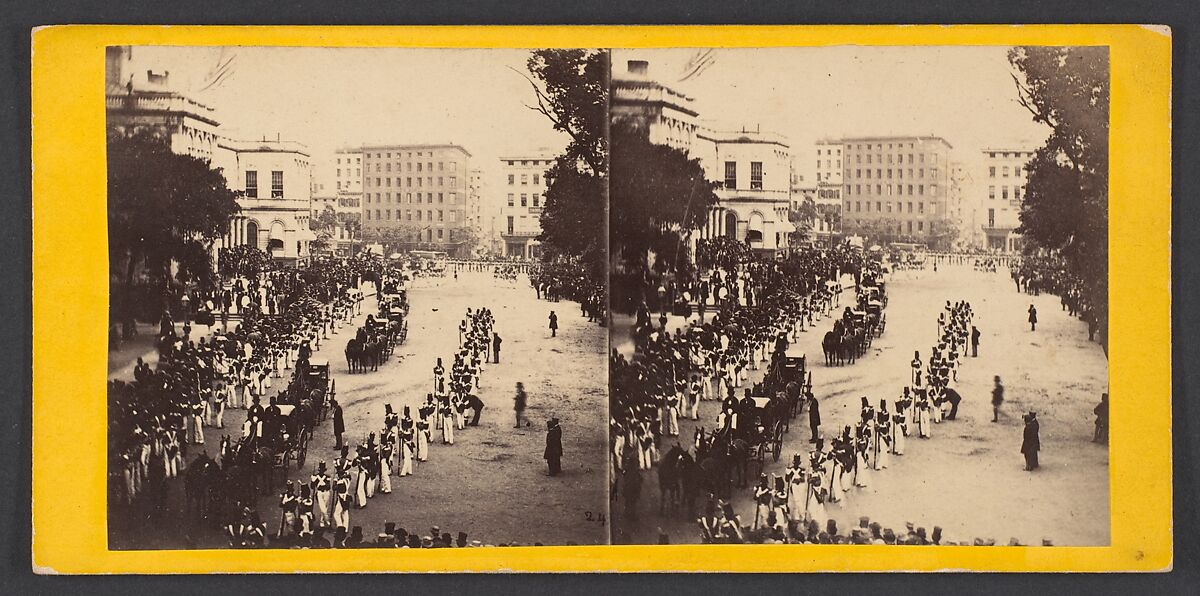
868,172
910,226
453,197
858,189
440,181
524,202
407,215
419,164
910,192
921,159
439,166
868,158
756,175
440,198
933,172
730,174
453,166
991,192
889,207
440,232
418,215
389,167
920,226
878,206
389,214
535,199
900,173
454,181
991,218
878,190
1017,171
510,224
510,199
921,189
858,206
377,214
1017,192
252,184
339,170
921,207
439,215
368,215
1006,171
920,172
1004,192
933,189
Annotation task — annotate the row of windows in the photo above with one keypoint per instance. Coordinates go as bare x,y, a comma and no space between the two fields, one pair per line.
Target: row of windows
357,172
408,197
276,184
879,147
756,175
401,154
524,199
900,226
421,182
1005,154
386,215
421,166
893,189
899,158
528,162
1016,192
858,173
829,151
1016,171
828,162
524,179
882,205
356,160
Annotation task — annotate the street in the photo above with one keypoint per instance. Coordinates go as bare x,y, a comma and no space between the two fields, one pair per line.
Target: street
968,477
492,483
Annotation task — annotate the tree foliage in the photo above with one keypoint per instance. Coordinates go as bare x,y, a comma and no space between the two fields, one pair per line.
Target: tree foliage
571,89
1065,208
658,194
325,224
803,218
163,209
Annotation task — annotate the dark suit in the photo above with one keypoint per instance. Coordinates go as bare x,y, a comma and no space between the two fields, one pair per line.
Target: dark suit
1031,444
814,418
339,425
554,450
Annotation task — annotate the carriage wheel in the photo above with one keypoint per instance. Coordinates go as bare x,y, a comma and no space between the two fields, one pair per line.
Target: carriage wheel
778,447
302,450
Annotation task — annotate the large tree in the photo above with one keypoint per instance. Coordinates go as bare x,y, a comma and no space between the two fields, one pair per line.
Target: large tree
325,226
658,195
1065,208
164,209
571,90
803,218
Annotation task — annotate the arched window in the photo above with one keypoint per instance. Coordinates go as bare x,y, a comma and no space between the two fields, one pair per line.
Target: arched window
252,234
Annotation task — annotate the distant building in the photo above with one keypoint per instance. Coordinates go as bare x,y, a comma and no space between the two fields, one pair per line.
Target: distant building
752,167
274,176
1004,175
420,190
896,188
523,186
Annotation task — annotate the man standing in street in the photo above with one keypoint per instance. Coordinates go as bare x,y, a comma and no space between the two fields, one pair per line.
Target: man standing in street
553,324
974,342
1032,318
519,404
339,425
554,448
997,399
1101,410
1031,442
814,417
496,347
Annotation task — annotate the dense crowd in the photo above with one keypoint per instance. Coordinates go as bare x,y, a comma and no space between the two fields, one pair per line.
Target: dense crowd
284,314
570,279
1079,297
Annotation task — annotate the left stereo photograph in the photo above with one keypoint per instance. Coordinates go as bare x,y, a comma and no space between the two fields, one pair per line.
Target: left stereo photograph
357,297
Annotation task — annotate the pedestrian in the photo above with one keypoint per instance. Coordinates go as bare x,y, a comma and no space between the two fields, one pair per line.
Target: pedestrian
476,406
1031,443
1101,435
519,404
974,342
1032,318
339,424
496,347
553,324
814,417
554,450
997,399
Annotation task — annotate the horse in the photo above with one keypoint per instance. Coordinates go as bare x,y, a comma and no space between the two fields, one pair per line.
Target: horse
354,355
832,346
198,482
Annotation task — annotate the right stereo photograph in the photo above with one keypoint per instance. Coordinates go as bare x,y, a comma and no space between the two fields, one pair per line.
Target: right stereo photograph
859,295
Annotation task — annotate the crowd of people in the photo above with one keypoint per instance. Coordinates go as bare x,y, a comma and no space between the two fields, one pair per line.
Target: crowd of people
283,313
1078,297
761,305
569,279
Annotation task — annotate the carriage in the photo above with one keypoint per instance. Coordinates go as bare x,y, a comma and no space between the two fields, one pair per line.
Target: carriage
321,388
768,426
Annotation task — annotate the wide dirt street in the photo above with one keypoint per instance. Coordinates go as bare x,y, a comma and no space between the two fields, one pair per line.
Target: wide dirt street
968,478
492,483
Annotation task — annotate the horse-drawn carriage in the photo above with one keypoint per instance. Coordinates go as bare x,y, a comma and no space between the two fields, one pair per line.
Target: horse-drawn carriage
768,423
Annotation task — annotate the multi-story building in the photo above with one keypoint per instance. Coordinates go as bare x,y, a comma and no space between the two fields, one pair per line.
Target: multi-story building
897,189
420,190
752,168
274,176
274,179
1004,176
523,185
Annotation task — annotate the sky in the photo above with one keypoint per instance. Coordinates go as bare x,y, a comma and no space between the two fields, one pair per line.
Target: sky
328,98
964,94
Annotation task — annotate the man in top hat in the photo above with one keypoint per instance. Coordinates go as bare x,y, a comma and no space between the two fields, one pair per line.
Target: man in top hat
339,423
814,417
1031,442
554,450
997,399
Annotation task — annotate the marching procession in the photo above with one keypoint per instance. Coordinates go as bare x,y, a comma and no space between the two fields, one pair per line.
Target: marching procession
743,360
260,391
